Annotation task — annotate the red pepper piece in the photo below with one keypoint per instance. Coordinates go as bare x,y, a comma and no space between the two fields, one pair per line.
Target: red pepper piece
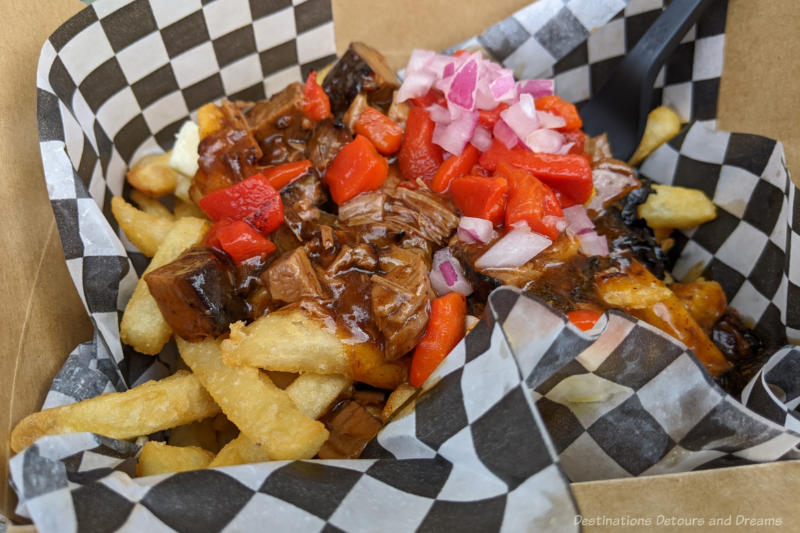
418,156
493,155
584,319
239,240
478,170
239,200
531,201
489,117
569,174
316,104
431,97
358,167
282,175
268,216
445,329
454,167
382,131
558,106
477,196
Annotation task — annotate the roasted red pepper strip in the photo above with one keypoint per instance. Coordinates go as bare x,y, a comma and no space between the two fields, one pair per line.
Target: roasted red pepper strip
382,131
239,240
454,167
251,197
584,319
577,137
358,167
531,201
316,104
558,106
480,197
430,98
282,175
418,156
445,329
494,155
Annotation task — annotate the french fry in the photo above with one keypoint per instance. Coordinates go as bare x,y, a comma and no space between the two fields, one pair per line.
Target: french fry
240,451
200,434
182,189
662,125
676,207
150,205
153,175
313,394
209,119
150,407
187,209
287,341
160,458
627,290
397,399
259,409
145,230
142,325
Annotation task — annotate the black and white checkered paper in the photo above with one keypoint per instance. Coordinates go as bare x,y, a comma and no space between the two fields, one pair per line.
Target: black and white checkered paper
524,403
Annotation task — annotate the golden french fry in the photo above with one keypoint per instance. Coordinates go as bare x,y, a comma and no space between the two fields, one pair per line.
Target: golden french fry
153,175
286,341
259,409
150,407
662,125
313,394
150,205
200,434
676,207
142,325
240,451
705,301
144,230
182,190
160,458
397,399
187,209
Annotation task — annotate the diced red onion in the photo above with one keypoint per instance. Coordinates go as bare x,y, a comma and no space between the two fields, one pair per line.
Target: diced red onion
481,138
474,229
418,77
544,141
516,248
454,136
438,113
503,133
521,116
447,275
483,95
549,120
565,148
462,88
577,219
559,222
593,244
536,88
503,87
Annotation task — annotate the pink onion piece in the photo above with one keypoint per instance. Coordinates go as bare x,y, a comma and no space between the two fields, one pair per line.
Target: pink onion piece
481,138
454,136
536,88
521,116
516,248
544,141
447,275
565,148
419,78
438,113
476,229
549,120
593,244
503,88
577,219
503,133
462,89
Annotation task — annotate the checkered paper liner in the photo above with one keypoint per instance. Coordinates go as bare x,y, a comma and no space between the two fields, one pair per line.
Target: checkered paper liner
116,81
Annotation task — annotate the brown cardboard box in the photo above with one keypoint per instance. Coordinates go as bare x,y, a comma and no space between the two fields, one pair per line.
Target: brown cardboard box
44,319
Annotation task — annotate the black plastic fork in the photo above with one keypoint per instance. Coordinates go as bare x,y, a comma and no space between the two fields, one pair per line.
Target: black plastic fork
621,106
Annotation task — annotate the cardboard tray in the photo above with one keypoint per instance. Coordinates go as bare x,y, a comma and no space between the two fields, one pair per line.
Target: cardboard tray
44,318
